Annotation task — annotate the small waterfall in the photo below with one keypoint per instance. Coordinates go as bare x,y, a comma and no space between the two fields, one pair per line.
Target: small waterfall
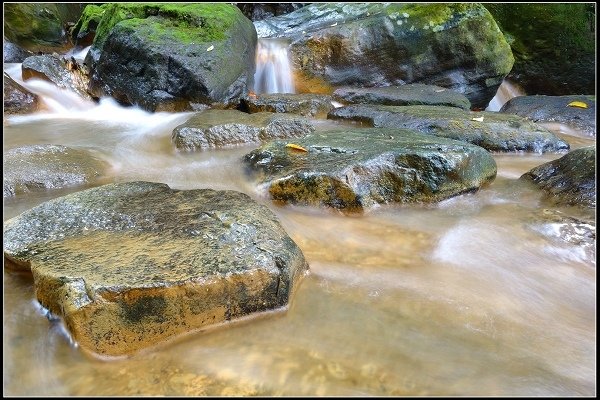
273,67
506,91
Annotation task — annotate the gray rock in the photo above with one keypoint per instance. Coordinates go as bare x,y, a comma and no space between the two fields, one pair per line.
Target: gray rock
495,132
405,95
307,104
129,265
17,99
556,109
454,45
354,169
569,180
12,53
66,74
225,128
49,166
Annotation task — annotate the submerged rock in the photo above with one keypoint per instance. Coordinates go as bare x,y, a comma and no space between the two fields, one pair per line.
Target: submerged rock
307,104
570,180
490,130
547,109
405,95
454,45
129,265
66,74
17,99
355,169
49,166
149,54
224,128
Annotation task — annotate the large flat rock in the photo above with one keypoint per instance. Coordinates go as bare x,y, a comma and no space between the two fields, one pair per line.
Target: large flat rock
129,265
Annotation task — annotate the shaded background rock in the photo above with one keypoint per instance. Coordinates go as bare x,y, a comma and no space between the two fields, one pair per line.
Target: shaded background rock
17,99
132,264
307,104
225,128
40,26
258,11
570,180
149,54
405,95
546,109
353,169
84,31
494,132
49,166
453,45
12,53
553,45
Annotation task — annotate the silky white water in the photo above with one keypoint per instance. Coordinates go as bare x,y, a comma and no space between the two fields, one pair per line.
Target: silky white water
273,67
468,297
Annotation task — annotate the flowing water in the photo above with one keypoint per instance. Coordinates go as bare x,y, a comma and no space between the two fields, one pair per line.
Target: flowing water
465,297
273,67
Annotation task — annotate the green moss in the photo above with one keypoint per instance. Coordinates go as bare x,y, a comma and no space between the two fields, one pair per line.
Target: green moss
432,14
88,22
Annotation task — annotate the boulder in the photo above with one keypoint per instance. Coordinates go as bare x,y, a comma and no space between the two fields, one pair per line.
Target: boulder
12,53
307,104
49,166
405,95
554,45
353,170
151,54
569,180
17,99
66,74
490,130
84,31
226,128
130,265
454,45
258,11
550,109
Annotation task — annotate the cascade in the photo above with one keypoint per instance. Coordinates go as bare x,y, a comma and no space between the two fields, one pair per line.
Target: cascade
273,67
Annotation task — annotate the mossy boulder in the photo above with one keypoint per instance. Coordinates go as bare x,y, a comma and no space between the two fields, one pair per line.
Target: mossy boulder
49,166
130,265
226,128
17,99
570,180
151,54
353,169
454,45
554,45
490,130
84,32
40,26
405,95
306,104
580,115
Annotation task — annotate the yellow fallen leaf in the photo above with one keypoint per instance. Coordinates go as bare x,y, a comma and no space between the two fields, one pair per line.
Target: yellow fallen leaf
478,119
210,48
578,104
295,147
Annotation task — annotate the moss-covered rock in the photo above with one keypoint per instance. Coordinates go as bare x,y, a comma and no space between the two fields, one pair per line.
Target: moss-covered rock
553,45
490,130
226,128
84,31
453,45
353,169
154,53
570,180
130,265
40,26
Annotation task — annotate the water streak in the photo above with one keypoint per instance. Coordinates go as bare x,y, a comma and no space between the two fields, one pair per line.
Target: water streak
506,91
273,67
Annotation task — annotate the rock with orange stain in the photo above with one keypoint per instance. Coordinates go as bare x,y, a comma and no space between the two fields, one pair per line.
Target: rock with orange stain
131,265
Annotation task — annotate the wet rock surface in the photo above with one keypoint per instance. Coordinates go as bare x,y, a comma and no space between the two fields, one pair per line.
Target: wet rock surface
306,104
12,53
129,265
41,167
556,109
456,46
405,95
66,74
490,130
355,169
17,99
569,180
226,128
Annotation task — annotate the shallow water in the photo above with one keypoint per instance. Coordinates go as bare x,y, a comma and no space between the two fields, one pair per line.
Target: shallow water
464,297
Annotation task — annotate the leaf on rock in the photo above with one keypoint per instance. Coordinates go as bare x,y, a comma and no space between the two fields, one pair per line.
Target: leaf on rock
578,104
210,48
295,147
479,119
